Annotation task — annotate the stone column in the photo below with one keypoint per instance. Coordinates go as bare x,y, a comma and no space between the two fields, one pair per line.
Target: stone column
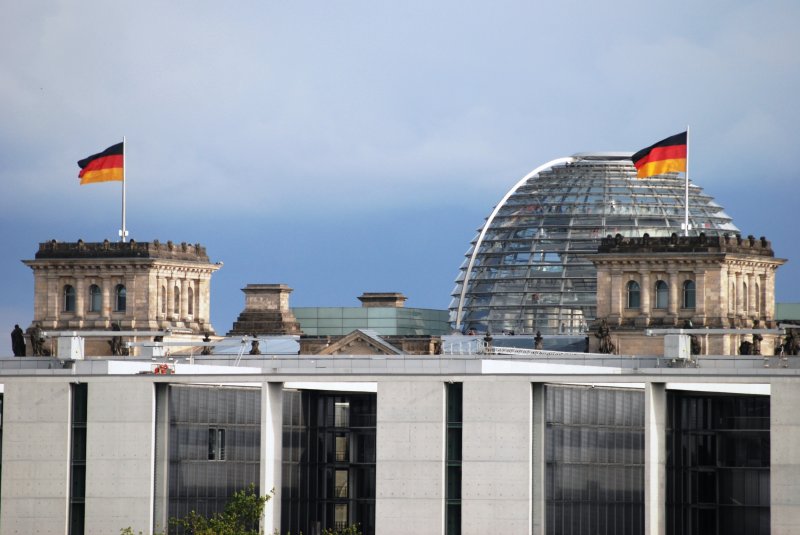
203,296
617,306
769,294
655,458
752,301
80,298
185,300
604,307
700,299
105,289
171,312
53,299
739,312
645,297
271,440
674,293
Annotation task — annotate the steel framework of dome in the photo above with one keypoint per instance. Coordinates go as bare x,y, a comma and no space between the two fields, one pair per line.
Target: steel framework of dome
527,269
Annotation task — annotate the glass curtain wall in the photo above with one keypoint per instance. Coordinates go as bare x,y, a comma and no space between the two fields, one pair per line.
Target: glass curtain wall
531,272
214,446
594,461
328,461
717,464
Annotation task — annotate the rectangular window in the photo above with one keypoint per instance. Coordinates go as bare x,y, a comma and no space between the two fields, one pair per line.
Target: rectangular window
340,484
454,416
340,516
216,444
341,448
341,415
77,487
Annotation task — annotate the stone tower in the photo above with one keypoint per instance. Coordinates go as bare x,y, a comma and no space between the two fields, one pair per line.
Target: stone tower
140,286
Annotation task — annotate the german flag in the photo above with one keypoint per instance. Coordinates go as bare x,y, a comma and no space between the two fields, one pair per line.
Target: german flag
666,156
104,166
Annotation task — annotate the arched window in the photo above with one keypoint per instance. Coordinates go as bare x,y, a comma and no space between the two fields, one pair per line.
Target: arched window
190,296
95,298
634,295
69,298
662,294
120,297
177,301
689,294
163,299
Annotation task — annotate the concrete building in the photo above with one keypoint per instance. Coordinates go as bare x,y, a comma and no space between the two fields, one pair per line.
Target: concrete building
472,443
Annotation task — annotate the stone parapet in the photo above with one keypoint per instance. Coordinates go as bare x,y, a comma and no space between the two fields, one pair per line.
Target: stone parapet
687,244
106,249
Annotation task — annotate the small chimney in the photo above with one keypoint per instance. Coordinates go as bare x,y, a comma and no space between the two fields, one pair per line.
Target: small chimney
382,299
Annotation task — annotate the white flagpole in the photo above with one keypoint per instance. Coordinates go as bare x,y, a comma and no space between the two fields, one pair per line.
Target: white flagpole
686,190
123,233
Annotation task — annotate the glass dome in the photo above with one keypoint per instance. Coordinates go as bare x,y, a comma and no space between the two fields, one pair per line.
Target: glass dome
527,269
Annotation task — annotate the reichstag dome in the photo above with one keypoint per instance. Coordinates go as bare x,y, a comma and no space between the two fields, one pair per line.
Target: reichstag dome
527,269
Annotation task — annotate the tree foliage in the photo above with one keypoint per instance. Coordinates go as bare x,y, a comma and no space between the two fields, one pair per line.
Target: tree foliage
241,516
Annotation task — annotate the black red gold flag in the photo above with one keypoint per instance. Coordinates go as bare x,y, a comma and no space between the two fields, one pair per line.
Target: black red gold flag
104,166
666,156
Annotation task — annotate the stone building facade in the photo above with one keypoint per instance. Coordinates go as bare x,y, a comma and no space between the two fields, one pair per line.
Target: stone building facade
719,282
141,286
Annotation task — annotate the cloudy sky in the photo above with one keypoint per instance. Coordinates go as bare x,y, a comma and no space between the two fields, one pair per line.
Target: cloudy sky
350,146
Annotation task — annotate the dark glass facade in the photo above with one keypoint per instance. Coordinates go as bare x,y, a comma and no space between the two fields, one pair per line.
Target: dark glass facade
328,461
77,471
594,461
214,446
455,404
717,464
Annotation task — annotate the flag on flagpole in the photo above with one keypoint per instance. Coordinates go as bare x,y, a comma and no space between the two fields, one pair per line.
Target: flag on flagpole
104,166
666,156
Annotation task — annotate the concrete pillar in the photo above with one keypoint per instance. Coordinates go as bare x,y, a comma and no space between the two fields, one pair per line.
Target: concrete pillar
271,442
120,456
496,481
410,457
784,475
36,457
655,458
